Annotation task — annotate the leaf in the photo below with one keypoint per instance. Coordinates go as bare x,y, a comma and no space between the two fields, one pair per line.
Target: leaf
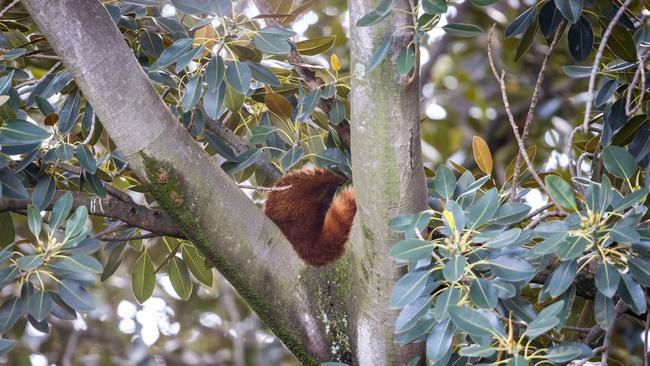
213,101
562,278
454,269
335,62
619,162
607,279
483,210
462,30
17,132
410,287
632,294
445,182
511,269
549,19
483,294
405,60
143,277
510,213
383,8
411,250
60,211
79,263
411,313
604,310
506,238
29,262
192,93
434,6
570,9
380,53
450,296
278,105
522,22
473,322
191,6
86,159
196,264
6,345
179,276
576,71
573,246
238,76
44,192
40,305
561,191
11,186
271,44
439,340
622,44
564,353
316,46
640,270
581,39
606,92
76,223
73,294
10,311
69,113
482,154
526,41
337,113
214,73
546,320
34,221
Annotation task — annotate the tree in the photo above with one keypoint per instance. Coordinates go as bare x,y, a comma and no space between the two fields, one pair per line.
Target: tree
430,261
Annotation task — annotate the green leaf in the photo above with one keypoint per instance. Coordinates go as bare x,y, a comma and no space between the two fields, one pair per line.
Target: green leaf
214,73
604,310
18,132
504,239
622,44
40,305
291,157
518,360
114,261
522,22
179,276
60,211
410,287
10,311
11,186
454,269
213,101
439,340
86,159
192,93
69,113
581,39
29,262
196,264
173,52
238,76
462,30
405,60
336,114
79,263
143,277
445,182
380,53
384,7
607,279
570,9
632,294
76,223
631,199
546,320
576,71
411,250
434,6
483,294
315,46
640,270
527,41
483,210
271,44
473,322
562,278
561,191
564,353
411,313
511,269
450,296
34,221
73,294
44,192
551,244
572,247
619,162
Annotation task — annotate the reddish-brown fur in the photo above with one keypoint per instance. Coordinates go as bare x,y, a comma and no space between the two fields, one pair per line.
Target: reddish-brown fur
311,215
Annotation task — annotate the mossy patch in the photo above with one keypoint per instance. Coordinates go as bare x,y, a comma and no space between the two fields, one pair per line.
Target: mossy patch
170,190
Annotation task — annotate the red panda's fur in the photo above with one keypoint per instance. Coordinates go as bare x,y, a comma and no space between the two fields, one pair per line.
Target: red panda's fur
311,214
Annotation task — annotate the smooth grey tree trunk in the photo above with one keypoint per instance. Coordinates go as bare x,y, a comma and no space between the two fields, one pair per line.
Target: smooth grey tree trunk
338,312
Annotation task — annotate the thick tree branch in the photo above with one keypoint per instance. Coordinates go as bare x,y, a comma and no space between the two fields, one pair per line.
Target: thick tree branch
130,213
205,203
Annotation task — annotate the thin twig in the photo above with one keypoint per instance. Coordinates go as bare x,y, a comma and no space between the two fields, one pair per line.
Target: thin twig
608,334
581,159
169,257
128,238
91,132
530,117
542,217
8,7
599,55
513,123
265,189
113,191
640,73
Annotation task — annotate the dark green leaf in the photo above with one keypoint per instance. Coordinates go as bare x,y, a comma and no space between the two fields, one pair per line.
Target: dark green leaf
60,211
607,279
213,101
473,322
434,6
410,287
483,294
439,340
562,278
571,9
462,30
192,93
143,277
454,269
196,265
44,192
40,305
405,60
411,313
238,76
11,186
29,262
86,159
271,44
73,294
522,22
561,191
632,294
483,210
214,73
69,113
179,276
17,132
511,269
411,250
604,310
619,162
640,270
581,39
380,53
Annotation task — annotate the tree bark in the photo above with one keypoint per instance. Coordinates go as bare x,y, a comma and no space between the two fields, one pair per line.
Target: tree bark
206,205
388,177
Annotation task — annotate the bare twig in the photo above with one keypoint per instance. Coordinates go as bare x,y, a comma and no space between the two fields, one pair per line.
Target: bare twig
542,217
169,257
522,149
109,188
265,189
530,117
8,7
639,74
608,334
599,55
581,160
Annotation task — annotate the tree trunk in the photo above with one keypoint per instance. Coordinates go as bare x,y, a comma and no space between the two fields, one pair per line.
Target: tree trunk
388,177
